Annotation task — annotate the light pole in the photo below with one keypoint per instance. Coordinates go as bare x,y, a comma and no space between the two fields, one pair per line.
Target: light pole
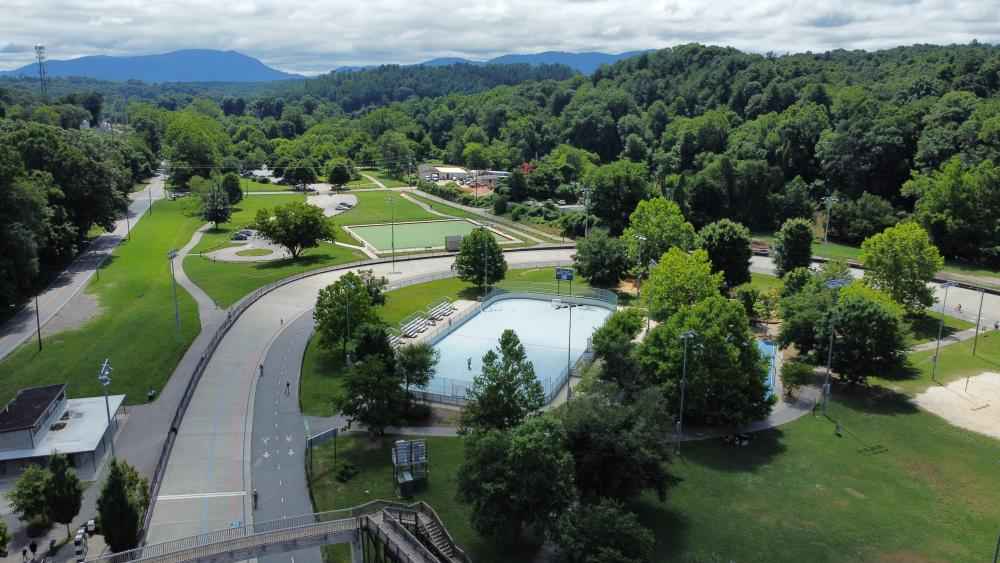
649,312
829,200
128,226
979,320
486,262
392,223
832,284
104,376
686,337
177,312
937,349
38,324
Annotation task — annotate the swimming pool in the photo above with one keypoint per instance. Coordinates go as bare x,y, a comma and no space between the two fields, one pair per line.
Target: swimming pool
542,328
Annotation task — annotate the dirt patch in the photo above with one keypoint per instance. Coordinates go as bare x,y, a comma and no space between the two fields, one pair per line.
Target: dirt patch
855,493
977,409
80,309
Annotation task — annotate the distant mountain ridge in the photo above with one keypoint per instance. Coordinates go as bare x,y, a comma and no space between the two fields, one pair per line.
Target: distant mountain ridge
585,63
188,65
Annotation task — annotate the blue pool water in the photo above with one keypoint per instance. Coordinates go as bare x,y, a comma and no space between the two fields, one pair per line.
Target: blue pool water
767,350
542,329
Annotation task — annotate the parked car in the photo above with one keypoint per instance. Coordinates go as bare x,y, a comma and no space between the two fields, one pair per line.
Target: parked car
240,236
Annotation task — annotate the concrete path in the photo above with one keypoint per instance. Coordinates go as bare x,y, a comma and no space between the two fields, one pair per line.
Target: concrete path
374,180
22,326
209,473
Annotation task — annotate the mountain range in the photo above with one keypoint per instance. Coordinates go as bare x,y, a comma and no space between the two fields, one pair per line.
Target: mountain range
206,65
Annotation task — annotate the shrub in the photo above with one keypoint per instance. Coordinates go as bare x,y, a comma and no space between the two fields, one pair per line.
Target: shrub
795,374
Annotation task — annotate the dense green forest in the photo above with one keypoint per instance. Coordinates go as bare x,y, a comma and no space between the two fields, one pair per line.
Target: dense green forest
906,132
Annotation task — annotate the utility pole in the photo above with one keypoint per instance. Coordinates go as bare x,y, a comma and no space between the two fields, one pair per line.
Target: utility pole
832,284
392,206
177,312
38,324
937,349
829,200
979,320
43,89
686,337
104,376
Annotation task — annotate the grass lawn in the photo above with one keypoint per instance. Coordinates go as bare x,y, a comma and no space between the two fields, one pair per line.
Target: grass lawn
360,183
255,186
956,362
243,216
900,485
321,369
135,329
227,282
254,252
383,177
377,207
925,327
765,282
456,212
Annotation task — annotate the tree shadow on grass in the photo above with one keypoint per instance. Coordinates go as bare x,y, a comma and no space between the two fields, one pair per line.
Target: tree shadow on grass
874,399
715,453
669,526
925,328
905,371
304,260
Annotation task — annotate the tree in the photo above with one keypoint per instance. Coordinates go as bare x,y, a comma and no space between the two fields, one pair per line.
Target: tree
371,339
119,509
480,259
802,311
679,280
901,260
792,245
375,394
869,332
416,364
396,153
4,538
604,532
27,498
339,173
517,480
340,308
231,186
794,375
295,226
215,207
656,226
614,345
506,391
728,246
726,375
617,190
64,493
601,259
301,173
619,450
195,144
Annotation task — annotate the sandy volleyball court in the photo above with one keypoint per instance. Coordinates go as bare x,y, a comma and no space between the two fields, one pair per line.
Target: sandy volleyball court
977,409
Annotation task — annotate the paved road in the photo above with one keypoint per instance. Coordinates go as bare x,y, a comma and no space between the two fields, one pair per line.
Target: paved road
209,475
22,326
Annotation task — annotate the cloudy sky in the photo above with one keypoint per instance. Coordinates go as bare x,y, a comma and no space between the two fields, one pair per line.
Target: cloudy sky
300,37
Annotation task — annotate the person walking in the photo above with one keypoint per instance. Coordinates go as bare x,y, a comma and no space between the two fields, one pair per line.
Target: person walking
288,388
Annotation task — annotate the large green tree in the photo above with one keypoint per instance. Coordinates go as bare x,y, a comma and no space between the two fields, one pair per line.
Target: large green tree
231,186
614,344
518,479
678,280
792,246
120,507
341,307
617,190
506,391
601,259
656,225
375,394
726,375
901,260
604,532
728,246
215,207
27,497
416,364
480,259
195,144
64,493
295,226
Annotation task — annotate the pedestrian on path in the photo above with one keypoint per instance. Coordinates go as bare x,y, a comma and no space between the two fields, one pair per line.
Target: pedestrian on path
288,388
262,370
24,554
255,499
469,363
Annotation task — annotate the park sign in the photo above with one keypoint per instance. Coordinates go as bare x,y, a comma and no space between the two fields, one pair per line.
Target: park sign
564,274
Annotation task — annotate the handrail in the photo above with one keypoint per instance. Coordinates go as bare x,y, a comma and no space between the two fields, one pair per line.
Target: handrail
428,510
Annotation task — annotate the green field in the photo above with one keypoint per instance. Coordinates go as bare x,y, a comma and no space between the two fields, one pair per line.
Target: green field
379,206
227,282
383,177
956,362
244,214
422,235
252,186
135,327
456,212
900,484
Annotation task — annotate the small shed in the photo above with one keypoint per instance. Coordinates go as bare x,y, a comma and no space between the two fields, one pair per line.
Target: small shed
409,466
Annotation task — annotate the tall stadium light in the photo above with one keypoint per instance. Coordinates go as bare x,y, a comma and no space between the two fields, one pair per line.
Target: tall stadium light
40,57
392,226
832,284
177,312
686,337
104,377
937,350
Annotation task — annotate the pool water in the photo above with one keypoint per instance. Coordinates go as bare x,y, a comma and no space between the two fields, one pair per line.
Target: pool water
542,328
767,351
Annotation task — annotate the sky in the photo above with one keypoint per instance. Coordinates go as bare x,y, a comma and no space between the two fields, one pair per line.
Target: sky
311,38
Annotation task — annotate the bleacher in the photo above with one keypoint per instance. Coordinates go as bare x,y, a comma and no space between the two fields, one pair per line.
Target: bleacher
440,310
412,326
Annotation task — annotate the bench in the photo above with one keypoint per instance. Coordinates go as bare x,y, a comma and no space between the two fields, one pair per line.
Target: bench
440,310
414,327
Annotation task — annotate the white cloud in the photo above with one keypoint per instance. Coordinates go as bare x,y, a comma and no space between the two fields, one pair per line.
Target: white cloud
315,38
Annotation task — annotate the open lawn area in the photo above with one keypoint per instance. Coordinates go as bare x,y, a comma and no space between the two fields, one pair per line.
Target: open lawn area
377,207
227,282
320,386
243,216
255,186
764,282
456,212
899,485
135,327
925,327
956,362
383,176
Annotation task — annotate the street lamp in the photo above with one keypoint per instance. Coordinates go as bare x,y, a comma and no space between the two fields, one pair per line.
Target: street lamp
177,312
392,207
937,350
829,200
104,376
586,210
686,337
38,324
649,312
832,284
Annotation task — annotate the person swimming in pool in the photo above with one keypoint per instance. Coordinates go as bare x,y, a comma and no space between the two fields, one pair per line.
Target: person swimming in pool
470,363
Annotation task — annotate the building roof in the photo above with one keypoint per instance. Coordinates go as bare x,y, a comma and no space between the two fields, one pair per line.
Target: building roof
84,423
451,170
24,410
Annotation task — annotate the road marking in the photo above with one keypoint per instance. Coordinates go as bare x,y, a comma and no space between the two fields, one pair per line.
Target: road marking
201,495
290,452
282,500
288,438
266,439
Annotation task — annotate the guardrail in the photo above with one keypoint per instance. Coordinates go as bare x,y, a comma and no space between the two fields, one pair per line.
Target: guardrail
241,306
